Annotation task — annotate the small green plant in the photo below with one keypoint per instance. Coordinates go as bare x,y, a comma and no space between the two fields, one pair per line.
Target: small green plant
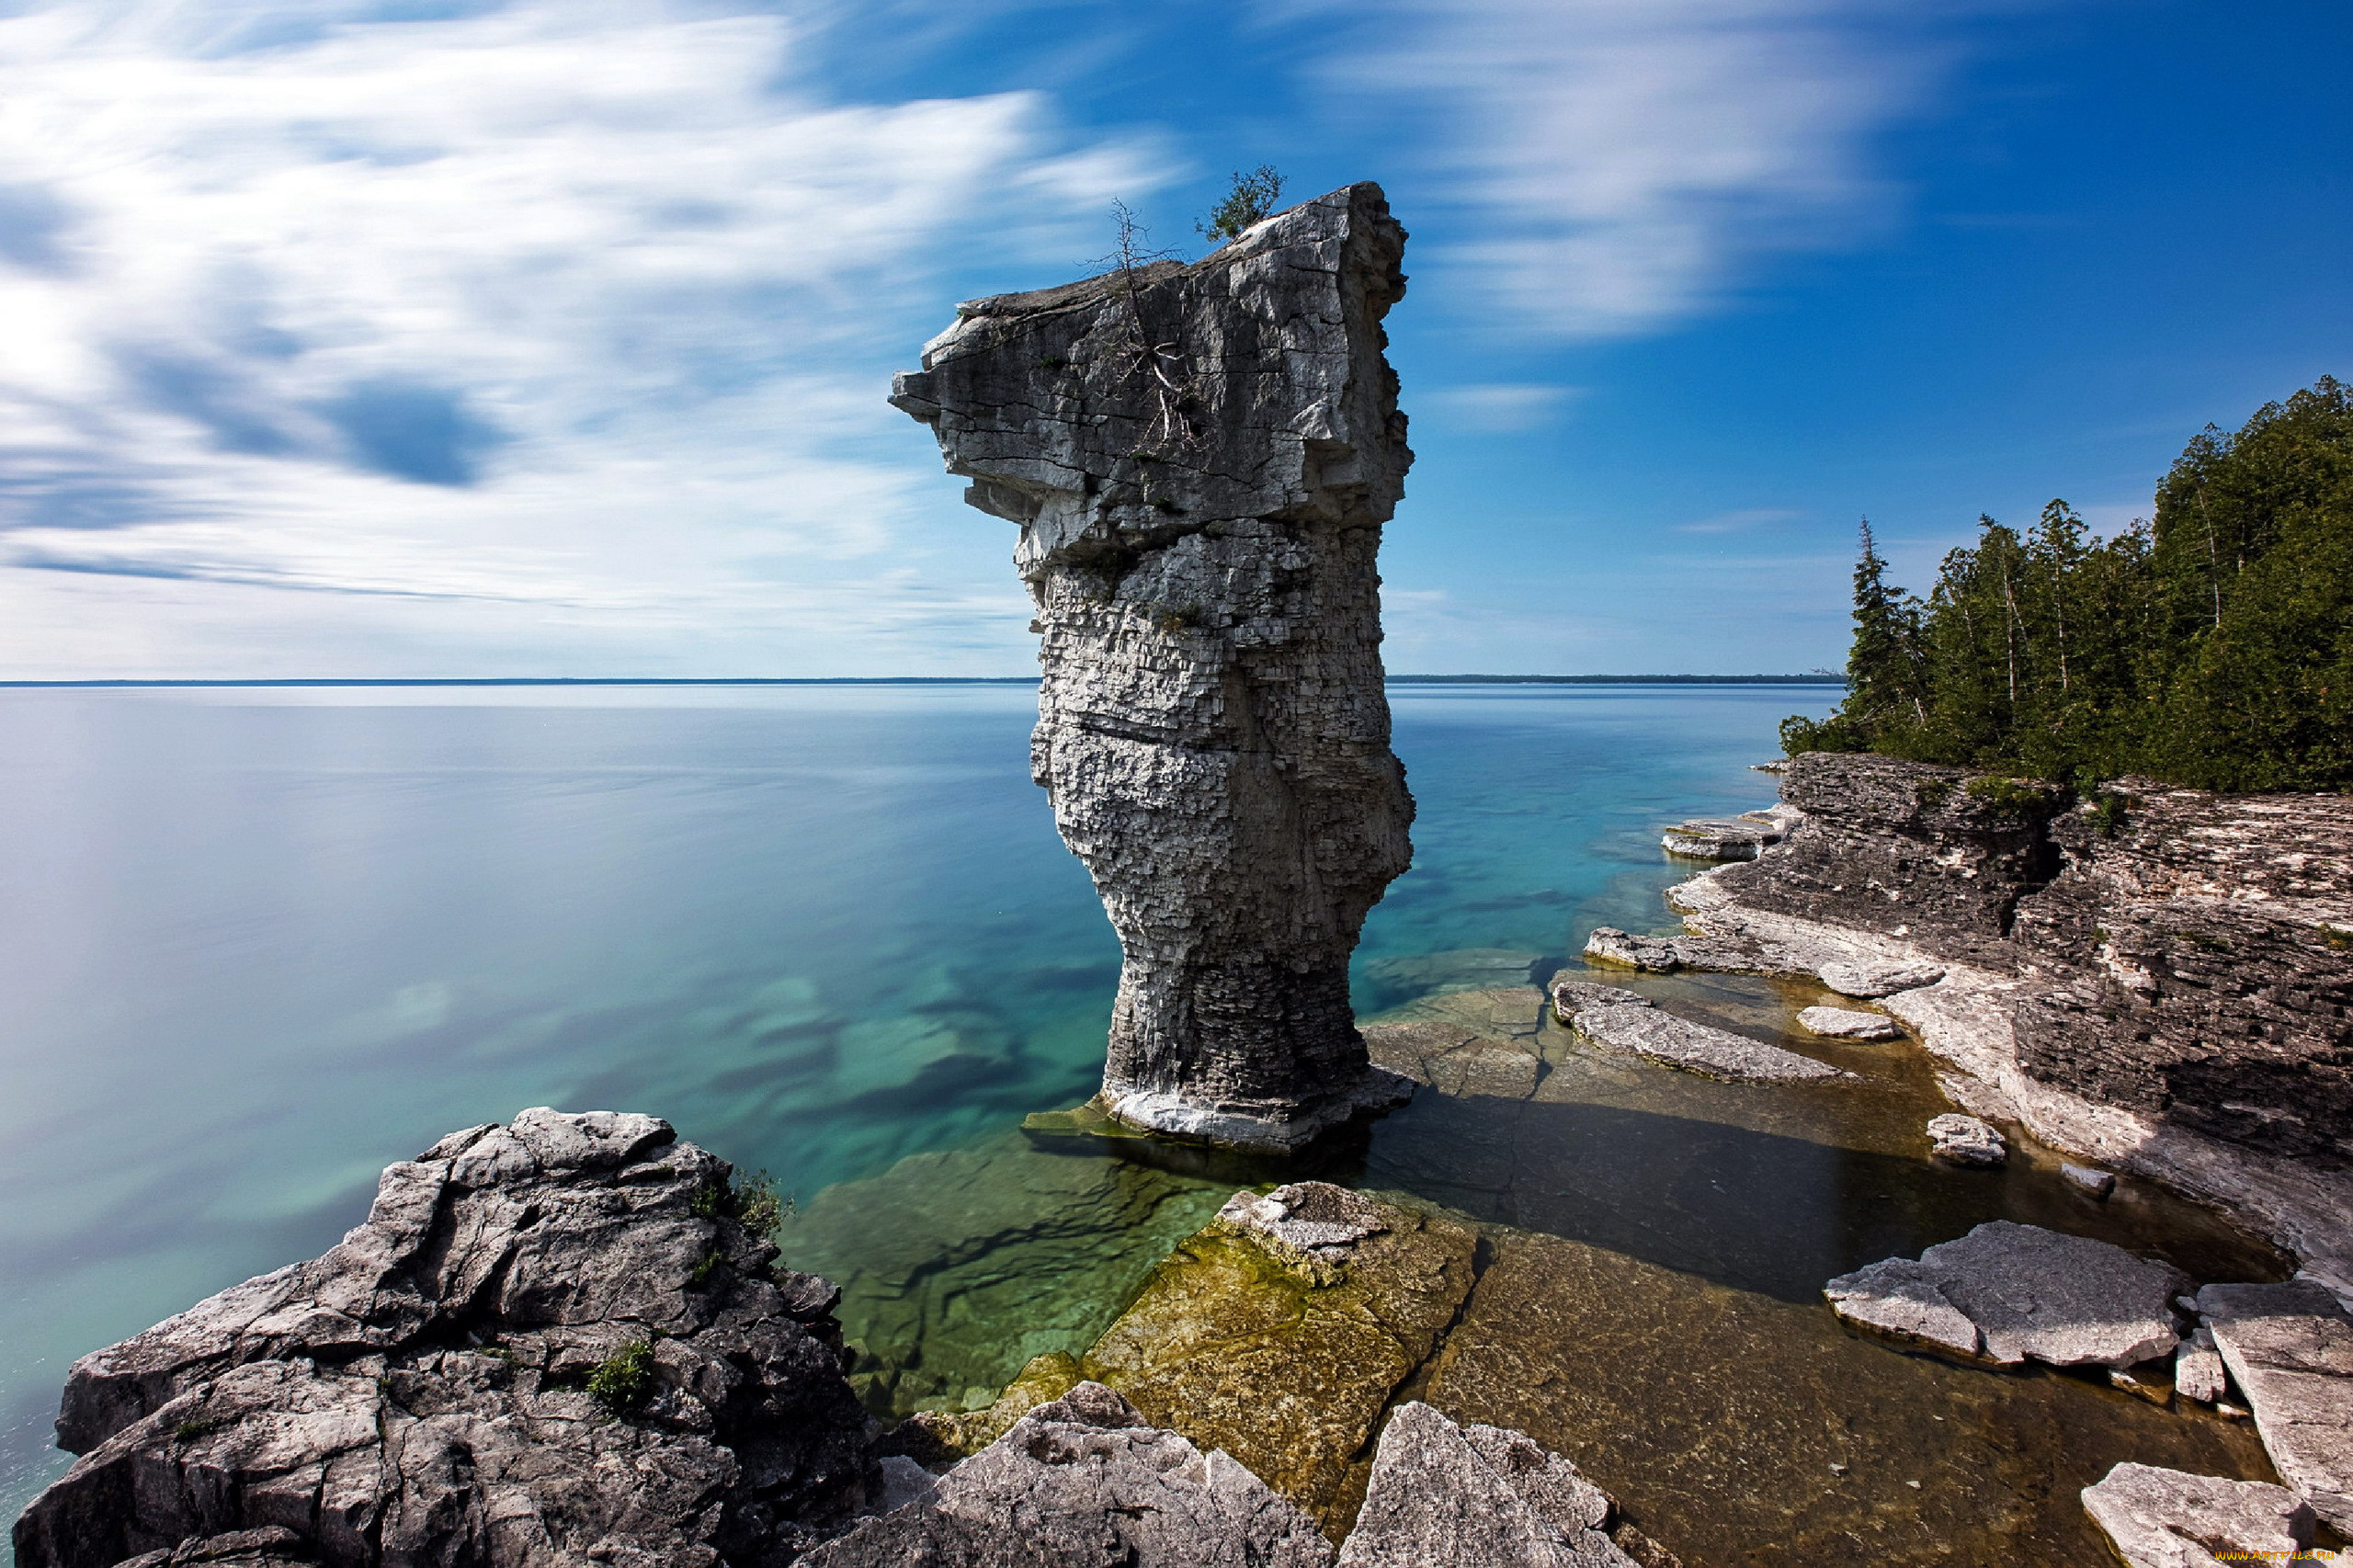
1163,504
757,1207
1932,792
2005,794
2337,936
702,1273
1052,362
2109,816
189,1431
709,1201
623,1381
1252,199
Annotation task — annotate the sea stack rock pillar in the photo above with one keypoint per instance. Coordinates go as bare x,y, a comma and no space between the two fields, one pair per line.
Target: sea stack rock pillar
1200,459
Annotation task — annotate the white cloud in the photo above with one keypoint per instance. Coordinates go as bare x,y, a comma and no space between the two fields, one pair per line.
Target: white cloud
1498,408
583,307
1627,162
1739,521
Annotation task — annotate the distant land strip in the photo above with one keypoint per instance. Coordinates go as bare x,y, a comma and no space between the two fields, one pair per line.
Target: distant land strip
900,680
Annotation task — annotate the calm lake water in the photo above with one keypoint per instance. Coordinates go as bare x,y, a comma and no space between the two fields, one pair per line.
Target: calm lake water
256,943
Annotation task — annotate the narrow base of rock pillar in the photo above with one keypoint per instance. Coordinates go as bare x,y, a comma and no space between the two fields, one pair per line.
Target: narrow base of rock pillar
1271,1130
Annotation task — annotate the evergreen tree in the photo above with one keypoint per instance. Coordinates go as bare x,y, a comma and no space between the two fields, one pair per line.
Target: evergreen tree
2213,648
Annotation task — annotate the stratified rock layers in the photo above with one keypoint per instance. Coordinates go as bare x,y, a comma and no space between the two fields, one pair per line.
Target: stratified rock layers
1200,459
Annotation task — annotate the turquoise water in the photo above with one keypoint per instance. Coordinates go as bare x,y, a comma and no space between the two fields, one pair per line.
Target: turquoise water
254,945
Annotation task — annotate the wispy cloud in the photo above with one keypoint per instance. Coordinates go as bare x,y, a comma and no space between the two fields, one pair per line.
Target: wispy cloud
1628,162
1739,521
1496,408
586,305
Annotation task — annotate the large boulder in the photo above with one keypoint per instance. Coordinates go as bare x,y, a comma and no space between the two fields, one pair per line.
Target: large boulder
2008,1293
549,1341
1200,461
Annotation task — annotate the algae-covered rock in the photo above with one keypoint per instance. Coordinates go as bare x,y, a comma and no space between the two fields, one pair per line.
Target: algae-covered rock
1285,1356
940,1437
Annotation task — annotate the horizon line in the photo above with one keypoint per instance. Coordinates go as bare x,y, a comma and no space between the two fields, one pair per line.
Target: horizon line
330,681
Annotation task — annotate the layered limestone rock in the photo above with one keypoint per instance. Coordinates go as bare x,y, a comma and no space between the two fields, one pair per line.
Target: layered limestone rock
1620,1020
2165,1519
1199,460
548,1343
2289,1348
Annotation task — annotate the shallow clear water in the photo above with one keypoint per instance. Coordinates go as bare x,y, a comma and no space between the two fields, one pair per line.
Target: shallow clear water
256,945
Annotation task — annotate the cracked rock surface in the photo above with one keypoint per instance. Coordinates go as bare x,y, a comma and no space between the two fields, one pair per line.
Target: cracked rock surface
1199,460
419,1393
2289,1347
2008,1293
2166,1518
1443,1492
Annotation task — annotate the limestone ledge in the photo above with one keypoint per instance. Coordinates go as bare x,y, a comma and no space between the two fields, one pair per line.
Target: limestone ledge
1964,1019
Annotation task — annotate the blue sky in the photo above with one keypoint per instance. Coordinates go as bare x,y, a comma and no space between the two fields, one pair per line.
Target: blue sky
415,338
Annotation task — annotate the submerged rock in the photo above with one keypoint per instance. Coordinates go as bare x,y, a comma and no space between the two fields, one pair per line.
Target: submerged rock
1608,945
1841,1023
2083,1178
1280,1337
2008,1293
1447,1493
2289,1347
1621,1020
1084,1481
1201,460
548,1341
2165,1519
1455,1059
1959,1139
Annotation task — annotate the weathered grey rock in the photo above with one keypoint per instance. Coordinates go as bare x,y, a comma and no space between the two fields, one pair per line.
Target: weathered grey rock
1446,1494
273,1546
1620,1020
1083,1482
2166,1518
2289,1347
1610,945
2195,961
423,1383
2008,1293
2098,1184
1199,460
1844,1023
2198,1370
1724,839
1959,1139
1871,981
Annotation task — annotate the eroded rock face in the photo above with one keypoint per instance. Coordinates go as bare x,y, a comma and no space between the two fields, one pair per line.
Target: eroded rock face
421,1393
1199,460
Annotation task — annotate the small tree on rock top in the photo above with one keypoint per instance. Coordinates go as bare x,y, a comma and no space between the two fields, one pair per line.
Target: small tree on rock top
1251,201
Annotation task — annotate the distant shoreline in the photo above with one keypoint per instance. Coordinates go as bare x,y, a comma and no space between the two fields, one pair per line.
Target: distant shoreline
892,681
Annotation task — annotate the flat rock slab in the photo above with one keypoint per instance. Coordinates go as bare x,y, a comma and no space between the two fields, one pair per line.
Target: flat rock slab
1456,968
1623,1021
1721,838
1842,1023
1608,945
2168,1519
1280,1337
2290,1349
1454,1059
1872,981
1084,1481
1959,1139
2008,1293
1443,1493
